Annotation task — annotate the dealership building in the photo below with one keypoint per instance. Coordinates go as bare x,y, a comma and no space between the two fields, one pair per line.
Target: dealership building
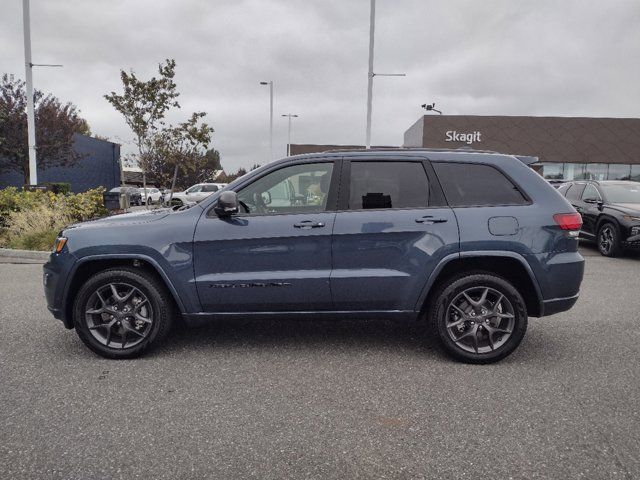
567,148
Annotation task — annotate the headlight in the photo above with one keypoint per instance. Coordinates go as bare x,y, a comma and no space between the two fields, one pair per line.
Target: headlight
59,244
631,218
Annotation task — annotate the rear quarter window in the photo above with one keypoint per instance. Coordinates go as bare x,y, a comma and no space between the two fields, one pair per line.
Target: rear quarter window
472,184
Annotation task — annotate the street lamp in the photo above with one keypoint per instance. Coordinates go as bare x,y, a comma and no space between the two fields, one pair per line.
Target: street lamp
270,83
370,75
290,115
431,108
31,123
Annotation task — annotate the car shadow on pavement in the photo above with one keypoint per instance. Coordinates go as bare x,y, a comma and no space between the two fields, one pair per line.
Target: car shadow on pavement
371,335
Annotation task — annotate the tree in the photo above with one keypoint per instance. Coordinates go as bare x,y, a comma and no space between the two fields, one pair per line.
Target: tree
144,104
56,123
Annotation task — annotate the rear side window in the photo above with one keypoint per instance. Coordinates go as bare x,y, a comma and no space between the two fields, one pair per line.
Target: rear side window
388,185
209,188
472,184
575,191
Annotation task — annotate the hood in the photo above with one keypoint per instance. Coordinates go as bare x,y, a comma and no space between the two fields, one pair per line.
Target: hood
630,208
132,218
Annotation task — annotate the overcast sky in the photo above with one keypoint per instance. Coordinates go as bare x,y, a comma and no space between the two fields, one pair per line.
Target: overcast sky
489,57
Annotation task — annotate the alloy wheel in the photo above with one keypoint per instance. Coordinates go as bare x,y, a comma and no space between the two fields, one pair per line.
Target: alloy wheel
119,315
606,240
480,319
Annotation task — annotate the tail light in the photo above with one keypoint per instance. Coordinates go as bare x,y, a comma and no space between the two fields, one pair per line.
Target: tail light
569,221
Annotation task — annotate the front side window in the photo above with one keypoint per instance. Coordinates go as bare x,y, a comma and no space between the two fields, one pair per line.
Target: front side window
296,189
590,194
575,191
210,188
471,184
195,189
388,184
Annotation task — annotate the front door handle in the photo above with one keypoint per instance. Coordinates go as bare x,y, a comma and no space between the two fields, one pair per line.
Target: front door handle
429,219
307,224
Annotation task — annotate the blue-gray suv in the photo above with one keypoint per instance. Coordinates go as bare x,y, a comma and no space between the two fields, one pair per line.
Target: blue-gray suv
472,242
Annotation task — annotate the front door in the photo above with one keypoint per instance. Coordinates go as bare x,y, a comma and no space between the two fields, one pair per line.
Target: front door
276,254
392,229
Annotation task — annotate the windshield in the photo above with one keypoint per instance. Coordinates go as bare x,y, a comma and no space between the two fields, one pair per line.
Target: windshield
621,193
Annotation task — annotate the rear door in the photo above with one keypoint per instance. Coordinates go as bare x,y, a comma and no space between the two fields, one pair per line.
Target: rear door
391,230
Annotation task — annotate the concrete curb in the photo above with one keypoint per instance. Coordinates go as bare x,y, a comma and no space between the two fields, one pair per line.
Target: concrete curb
28,254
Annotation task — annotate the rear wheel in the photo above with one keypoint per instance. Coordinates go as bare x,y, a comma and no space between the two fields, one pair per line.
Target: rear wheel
609,240
479,318
120,313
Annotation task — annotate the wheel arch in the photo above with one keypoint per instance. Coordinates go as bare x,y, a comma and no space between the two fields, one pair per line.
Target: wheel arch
88,266
606,218
508,265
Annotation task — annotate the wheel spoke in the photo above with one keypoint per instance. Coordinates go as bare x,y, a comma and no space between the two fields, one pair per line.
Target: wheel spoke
483,297
141,318
132,330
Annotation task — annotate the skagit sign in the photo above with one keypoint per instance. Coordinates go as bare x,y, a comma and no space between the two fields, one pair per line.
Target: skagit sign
468,137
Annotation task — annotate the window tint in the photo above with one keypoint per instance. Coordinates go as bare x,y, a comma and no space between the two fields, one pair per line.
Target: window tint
590,193
296,189
388,185
209,188
575,191
468,184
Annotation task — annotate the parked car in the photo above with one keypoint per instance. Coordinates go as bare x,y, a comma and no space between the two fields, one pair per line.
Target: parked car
196,193
610,212
472,242
153,194
134,195
556,182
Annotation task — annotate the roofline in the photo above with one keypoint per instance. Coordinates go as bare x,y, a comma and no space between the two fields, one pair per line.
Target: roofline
408,149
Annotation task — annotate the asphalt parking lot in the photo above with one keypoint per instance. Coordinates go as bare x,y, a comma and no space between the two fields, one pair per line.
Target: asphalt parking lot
344,400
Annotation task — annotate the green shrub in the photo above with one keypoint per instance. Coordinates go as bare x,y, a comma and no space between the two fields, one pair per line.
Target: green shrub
31,220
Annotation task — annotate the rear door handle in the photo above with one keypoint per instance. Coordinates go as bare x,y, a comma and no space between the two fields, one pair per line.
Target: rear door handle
429,219
307,224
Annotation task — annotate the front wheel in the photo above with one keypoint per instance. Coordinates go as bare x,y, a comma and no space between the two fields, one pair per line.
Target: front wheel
479,318
608,240
121,312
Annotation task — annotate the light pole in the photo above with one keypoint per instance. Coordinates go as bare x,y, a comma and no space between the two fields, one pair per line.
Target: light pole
270,83
370,75
290,115
31,123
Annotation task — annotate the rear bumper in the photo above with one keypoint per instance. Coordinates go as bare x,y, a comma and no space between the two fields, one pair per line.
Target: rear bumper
557,305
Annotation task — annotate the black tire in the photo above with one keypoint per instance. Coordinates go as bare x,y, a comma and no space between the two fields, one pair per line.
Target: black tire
158,307
608,240
473,332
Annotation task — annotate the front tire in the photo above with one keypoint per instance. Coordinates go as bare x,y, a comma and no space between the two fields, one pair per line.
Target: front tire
609,240
478,318
121,313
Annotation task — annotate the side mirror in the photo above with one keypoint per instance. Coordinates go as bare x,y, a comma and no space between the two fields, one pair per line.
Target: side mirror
227,204
266,198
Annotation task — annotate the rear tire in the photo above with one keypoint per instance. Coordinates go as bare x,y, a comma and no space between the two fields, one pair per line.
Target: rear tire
609,240
478,318
121,313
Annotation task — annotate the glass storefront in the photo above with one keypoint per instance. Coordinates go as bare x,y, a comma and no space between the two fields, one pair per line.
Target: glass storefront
590,171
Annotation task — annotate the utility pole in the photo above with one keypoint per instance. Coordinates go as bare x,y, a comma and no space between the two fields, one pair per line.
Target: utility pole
31,123
371,74
290,115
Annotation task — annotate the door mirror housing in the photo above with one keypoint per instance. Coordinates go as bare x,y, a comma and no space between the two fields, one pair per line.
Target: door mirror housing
591,200
227,204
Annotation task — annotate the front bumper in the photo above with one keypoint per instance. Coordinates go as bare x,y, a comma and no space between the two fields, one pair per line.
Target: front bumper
54,278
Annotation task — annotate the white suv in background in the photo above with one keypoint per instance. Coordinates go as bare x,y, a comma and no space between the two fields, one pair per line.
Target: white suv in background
153,194
196,193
